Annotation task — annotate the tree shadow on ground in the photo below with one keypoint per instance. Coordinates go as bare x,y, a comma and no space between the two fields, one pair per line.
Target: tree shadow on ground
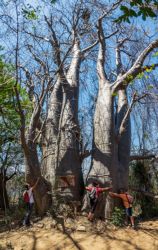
123,238
63,229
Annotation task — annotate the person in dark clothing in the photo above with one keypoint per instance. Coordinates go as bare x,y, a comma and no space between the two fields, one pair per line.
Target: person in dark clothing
94,192
29,199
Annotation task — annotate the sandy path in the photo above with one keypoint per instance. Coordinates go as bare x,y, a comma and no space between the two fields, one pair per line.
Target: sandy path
146,238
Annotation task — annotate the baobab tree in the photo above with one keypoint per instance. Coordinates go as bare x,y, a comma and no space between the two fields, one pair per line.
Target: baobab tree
62,156
57,49
112,130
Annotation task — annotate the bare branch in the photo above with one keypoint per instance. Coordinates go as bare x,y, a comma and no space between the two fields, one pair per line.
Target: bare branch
135,99
46,39
85,154
40,131
101,53
54,42
37,58
145,193
10,177
136,68
142,157
90,47
113,7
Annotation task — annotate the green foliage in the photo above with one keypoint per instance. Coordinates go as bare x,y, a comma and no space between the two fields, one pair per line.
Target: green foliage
140,75
9,117
155,54
144,177
8,104
30,12
114,94
145,135
150,86
136,8
118,217
130,77
53,1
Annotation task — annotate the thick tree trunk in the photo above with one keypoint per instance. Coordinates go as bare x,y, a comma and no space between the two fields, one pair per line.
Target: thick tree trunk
124,142
111,150
103,135
32,167
68,160
103,168
67,153
51,131
62,144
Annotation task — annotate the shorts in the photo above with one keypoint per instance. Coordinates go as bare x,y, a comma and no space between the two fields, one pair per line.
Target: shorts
93,204
129,211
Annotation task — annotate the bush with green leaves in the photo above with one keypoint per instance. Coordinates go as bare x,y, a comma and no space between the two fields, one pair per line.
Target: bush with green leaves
118,217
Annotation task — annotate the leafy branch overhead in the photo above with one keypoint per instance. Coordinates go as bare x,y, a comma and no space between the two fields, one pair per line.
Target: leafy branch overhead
136,8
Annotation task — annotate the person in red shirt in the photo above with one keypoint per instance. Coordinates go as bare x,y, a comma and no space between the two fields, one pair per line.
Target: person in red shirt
30,202
127,203
94,192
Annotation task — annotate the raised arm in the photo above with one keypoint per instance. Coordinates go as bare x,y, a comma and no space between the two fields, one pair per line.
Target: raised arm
36,183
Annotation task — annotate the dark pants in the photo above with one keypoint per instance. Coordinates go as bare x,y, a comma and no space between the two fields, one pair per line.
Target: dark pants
29,209
128,211
93,204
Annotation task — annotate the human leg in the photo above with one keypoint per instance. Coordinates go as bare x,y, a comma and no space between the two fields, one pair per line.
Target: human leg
93,204
131,217
28,214
25,221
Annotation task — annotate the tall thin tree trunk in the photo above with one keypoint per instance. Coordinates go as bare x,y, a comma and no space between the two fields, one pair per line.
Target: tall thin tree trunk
4,201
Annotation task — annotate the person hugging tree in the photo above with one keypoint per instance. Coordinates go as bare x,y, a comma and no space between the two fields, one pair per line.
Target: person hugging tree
94,192
127,200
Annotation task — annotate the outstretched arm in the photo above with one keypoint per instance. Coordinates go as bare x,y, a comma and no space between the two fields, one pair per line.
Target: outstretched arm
88,188
106,189
114,194
36,183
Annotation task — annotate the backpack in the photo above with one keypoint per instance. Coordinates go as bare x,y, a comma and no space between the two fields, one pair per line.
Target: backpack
92,194
130,198
26,197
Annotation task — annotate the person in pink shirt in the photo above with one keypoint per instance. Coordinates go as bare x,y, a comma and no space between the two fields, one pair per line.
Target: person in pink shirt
94,192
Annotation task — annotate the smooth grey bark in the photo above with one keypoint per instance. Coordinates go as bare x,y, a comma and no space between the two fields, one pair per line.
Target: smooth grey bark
63,133
111,147
103,134
124,142
103,169
51,131
33,168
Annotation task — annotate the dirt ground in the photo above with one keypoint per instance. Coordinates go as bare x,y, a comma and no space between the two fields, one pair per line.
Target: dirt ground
82,235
